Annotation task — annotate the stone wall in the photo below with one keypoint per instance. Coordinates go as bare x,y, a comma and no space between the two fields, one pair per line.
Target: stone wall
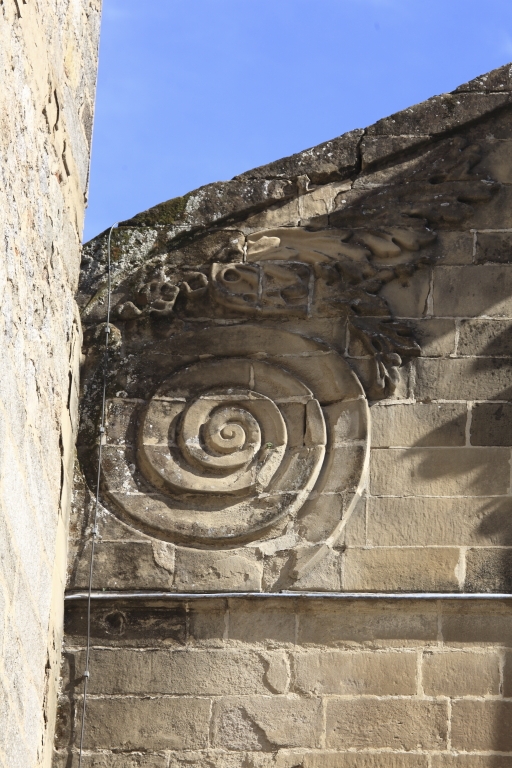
48,57
289,683
308,392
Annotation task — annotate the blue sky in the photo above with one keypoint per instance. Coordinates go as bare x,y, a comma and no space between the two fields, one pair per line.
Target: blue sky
195,91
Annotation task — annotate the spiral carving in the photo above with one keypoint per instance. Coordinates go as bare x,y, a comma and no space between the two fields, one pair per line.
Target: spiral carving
227,440
228,445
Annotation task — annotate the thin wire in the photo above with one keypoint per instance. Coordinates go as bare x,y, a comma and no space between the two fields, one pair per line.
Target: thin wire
97,500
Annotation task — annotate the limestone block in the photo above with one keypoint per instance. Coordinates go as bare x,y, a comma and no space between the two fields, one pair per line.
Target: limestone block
346,624
412,569
233,570
402,724
408,298
493,247
472,291
270,621
127,624
355,674
461,674
127,565
260,722
463,379
453,248
418,424
440,472
489,570
489,338
109,760
399,522
219,758
329,759
481,725
497,162
147,724
471,761
436,336
378,148
491,424
437,114
507,676
207,622
196,672
477,625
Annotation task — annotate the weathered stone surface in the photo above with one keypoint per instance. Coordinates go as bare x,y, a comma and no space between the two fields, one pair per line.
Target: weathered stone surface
473,291
127,624
507,675
486,338
435,336
198,672
481,725
266,723
266,622
332,160
440,472
494,247
402,724
489,570
147,724
109,760
399,522
475,624
329,759
419,424
471,761
126,565
461,674
331,623
378,148
217,571
463,379
426,569
48,59
356,674
493,82
491,424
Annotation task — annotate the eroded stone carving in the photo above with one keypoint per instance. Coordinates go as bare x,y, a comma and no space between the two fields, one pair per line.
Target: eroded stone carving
235,421
228,445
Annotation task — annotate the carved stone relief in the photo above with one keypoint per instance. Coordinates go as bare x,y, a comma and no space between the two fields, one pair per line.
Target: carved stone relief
231,419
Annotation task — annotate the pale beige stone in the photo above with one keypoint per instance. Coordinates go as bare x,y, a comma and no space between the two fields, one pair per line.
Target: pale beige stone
238,570
440,471
461,674
409,521
462,379
481,726
418,424
329,759
266,723
402,724
356,674
195,672
428,569
147,724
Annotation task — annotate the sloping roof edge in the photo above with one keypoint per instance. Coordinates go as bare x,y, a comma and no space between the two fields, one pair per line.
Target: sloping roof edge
339,159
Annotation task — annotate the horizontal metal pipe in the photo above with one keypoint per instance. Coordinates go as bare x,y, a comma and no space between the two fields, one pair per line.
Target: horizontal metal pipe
152,595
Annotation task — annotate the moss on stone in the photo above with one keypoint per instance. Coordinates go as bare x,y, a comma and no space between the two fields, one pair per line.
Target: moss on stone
163,214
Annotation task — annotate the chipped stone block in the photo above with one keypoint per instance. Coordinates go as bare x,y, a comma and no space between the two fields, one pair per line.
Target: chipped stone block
233,570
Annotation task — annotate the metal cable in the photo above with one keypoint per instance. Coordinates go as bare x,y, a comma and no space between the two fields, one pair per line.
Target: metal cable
94,530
